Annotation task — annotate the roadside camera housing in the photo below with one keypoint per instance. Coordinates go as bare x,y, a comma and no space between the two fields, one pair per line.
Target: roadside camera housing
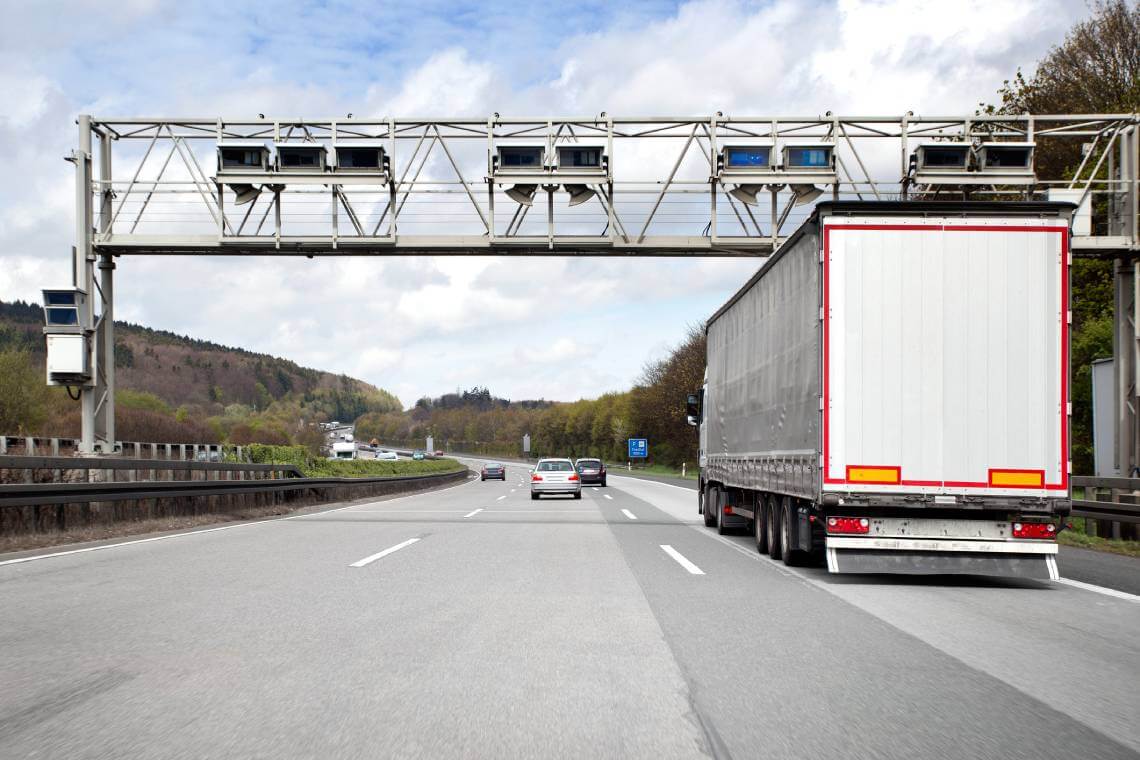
68,337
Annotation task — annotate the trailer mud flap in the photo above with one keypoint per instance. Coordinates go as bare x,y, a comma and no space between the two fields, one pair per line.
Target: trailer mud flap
1036,566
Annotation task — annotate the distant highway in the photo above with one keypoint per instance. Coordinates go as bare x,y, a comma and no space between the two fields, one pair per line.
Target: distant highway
473,622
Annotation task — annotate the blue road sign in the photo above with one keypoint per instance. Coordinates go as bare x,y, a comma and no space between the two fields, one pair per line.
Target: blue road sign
638,448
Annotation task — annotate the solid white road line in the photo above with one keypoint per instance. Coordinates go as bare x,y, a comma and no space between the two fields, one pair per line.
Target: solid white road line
608,496
372,558
682,560
629,514
472,513
1100,590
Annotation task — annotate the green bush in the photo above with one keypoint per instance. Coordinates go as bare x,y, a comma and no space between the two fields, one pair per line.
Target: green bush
318,467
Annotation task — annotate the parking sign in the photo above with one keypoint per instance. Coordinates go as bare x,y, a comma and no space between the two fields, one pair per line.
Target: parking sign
638,448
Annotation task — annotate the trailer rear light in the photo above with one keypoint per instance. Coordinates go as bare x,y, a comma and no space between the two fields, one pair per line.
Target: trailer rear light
536,478
848,525
878,474
1034,530
1017,478
728,509
574,477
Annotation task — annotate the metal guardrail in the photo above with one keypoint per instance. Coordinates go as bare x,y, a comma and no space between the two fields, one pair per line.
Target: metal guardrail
33,445
1112,509
33,494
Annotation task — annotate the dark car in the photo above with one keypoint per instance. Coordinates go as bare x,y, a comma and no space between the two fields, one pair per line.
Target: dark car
493,470
592,471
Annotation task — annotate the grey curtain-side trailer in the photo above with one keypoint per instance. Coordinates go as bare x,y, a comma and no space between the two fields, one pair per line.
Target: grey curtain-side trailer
890,391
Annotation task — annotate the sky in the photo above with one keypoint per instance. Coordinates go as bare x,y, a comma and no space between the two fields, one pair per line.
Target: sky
554,328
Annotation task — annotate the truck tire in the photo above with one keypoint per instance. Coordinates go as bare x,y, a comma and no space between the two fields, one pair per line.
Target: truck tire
772,518
533,496
709,506
787,521
762,523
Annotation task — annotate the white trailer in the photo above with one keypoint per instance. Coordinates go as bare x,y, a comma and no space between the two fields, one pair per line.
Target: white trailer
890,391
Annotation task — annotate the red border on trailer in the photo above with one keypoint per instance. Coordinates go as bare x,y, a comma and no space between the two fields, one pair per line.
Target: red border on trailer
1064,233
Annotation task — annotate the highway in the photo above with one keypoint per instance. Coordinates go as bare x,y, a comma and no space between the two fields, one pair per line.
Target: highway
474,622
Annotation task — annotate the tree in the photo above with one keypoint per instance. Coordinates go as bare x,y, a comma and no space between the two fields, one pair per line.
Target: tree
1095,70
24,396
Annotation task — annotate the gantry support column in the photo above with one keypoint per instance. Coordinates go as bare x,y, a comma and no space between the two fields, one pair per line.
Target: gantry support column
97,399
83,268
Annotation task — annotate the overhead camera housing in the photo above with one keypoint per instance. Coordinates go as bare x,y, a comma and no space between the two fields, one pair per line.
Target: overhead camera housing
960,163
360,156
526,167
243,156
752,168
305,157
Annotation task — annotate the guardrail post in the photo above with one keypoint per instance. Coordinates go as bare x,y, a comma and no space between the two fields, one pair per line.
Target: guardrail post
182,451
30,446
138,451
55,447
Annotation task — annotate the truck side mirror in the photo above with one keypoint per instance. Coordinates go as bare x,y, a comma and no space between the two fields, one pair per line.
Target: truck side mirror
692,404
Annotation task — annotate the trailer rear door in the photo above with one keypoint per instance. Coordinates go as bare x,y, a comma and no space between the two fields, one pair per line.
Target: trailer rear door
945,355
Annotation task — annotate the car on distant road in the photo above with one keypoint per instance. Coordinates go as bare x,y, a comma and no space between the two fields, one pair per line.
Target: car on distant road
555,476
493,470
418,455
439,452
592,471
387,456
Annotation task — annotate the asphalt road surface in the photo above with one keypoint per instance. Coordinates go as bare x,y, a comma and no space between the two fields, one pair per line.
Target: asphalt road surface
474,622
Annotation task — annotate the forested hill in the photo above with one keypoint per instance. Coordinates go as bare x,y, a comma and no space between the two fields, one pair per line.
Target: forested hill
206,379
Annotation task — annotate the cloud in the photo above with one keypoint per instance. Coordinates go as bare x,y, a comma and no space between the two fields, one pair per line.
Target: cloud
525,327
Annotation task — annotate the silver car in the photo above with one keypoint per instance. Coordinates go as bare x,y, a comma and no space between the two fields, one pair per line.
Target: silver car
555,476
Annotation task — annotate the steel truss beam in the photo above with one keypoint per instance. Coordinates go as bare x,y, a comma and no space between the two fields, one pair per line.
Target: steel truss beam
662,186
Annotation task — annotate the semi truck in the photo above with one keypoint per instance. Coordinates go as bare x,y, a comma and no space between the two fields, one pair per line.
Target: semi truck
889,393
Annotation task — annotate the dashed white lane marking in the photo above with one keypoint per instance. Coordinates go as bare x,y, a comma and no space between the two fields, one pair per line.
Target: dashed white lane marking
512,491
629,514
269,521
608,496
1100,590
502,497
373,557
682,560
472,513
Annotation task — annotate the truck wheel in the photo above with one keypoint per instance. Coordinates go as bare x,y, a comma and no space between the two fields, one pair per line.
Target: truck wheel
709,506
791,556
762,524
533,496
772,520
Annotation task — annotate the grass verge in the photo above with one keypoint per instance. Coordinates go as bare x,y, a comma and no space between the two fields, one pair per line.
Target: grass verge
658,469
1076,536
